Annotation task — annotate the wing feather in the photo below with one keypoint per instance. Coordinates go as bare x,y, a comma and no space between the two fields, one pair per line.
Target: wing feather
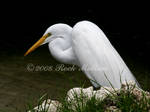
97,56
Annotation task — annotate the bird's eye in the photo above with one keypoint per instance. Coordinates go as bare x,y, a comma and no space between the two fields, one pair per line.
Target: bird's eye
49,34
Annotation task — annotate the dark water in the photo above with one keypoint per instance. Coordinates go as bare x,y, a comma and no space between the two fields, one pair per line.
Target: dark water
21,84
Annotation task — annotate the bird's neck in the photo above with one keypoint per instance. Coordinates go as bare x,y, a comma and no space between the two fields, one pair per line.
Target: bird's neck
61,50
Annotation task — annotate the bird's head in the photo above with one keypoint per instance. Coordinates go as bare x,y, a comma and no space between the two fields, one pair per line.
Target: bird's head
53,32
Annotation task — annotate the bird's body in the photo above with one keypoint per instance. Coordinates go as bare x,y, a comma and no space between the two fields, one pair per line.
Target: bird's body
97,56
86,46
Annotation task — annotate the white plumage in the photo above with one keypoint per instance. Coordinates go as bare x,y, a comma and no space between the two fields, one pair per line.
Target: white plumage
86,46
97,56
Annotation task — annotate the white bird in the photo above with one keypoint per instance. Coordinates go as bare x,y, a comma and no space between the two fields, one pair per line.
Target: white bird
86,46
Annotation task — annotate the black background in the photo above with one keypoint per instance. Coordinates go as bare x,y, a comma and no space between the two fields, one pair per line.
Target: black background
126,25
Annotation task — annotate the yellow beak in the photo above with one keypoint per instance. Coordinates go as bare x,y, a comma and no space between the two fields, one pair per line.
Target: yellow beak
37,44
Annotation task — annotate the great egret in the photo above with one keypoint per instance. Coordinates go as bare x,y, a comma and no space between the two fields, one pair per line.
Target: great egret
86,46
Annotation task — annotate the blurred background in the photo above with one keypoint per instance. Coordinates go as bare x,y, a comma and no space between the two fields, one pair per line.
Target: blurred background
126,26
